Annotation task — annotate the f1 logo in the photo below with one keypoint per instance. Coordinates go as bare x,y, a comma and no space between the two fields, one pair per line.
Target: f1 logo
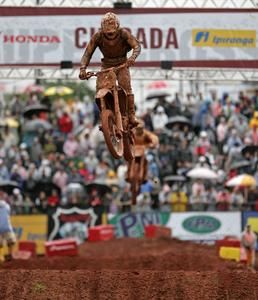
201,36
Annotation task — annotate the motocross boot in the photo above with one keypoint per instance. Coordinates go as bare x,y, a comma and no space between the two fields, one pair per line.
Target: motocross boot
132,119
145,171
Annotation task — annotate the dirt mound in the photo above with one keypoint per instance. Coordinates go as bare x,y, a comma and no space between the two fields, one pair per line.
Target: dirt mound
130,269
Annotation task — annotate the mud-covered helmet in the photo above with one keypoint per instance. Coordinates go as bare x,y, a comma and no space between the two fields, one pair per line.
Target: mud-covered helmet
141,124
110,25
139,129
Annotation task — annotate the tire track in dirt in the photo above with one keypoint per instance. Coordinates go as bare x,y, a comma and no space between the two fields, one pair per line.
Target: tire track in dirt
127,285
138,269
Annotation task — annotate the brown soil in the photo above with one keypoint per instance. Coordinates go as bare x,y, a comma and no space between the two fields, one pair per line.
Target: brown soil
130,269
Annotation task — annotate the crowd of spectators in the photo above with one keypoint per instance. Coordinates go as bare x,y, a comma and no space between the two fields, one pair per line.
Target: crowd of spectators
48,162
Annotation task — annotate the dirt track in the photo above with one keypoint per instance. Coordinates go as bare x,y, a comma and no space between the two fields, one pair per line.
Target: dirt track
130,269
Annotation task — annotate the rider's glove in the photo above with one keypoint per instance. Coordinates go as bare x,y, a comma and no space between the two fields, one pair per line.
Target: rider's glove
83,73
130,62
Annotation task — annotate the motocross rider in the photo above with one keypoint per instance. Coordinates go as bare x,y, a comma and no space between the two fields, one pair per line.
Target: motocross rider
114,43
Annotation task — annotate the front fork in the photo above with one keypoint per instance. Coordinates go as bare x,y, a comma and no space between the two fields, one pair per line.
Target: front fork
118,116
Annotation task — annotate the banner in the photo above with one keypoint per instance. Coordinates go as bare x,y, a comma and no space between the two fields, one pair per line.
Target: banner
205,226
31,228
251,217
187,37
70,222
132,224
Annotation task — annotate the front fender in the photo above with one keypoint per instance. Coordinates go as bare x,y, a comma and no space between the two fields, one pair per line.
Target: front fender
102,93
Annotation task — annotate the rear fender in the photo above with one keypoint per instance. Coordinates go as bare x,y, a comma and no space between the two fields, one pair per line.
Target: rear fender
139,151
102,93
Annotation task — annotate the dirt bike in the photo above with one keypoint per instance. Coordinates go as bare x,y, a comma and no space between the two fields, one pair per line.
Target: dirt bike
136,174
112,102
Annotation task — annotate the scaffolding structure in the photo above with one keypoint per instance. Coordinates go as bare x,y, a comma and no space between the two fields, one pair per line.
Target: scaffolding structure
228,75
200,74
135,3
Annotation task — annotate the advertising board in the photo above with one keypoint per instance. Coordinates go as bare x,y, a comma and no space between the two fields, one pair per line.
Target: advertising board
201,226
187,37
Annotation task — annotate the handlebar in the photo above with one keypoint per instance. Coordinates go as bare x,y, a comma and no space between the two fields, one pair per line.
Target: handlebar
91,74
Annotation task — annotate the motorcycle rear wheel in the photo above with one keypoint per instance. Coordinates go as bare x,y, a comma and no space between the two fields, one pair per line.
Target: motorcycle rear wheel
135,182
128,146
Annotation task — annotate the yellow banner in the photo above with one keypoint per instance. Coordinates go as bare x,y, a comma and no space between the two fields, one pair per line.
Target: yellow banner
31,228
224,38
253,221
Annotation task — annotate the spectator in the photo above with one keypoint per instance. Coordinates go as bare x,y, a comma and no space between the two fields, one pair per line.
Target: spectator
65,123
36,151
9,137
17,175
248,242
255,100
197,195
147,119
53,200
223,200
203,144
222,130
159,119
178,200
17,201
45,171
126,198
165,205
16,106
41,202
85,144
6,230
254,121
228,108
71,146
4,174
91,161
60,178
237,199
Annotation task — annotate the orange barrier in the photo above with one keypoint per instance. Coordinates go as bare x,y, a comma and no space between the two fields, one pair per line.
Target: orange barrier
65,247
101,233
28,246
227,242
231,253
151,231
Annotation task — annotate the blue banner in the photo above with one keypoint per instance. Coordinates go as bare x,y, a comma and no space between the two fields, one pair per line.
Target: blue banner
132,224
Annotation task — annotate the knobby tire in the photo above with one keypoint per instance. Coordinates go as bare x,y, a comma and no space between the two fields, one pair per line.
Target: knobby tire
114,145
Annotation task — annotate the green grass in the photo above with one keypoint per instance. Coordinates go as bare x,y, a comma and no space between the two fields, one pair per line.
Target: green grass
38,287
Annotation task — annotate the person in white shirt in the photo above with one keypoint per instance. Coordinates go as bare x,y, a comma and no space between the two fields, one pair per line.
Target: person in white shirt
159,119
249,241
6,230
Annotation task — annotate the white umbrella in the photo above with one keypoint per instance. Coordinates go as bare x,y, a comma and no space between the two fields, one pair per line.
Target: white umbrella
202,173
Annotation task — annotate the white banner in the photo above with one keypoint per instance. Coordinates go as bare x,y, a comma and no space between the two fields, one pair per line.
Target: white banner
194,37
203,226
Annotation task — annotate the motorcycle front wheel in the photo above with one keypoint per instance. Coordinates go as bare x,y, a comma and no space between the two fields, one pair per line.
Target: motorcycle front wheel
112,137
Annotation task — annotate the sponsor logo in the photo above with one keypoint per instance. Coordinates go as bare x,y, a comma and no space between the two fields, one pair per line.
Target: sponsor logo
72,222
201,224
34,39
224,38
62,247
